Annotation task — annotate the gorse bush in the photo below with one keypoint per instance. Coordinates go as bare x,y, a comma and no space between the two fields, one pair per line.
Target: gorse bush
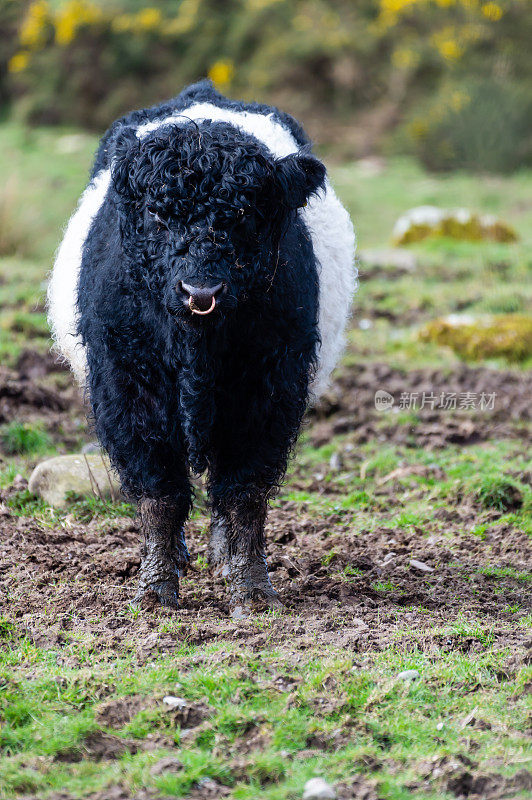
87,62
486,126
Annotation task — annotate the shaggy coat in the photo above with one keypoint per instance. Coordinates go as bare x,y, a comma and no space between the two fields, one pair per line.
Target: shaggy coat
226,198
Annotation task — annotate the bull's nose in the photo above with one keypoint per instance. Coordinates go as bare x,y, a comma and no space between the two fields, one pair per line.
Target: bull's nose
200,299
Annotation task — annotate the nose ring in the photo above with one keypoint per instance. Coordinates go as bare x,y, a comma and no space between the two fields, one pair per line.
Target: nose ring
196,310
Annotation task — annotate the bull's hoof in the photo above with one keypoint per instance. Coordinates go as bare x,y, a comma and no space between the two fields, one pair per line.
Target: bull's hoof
164,593
244,603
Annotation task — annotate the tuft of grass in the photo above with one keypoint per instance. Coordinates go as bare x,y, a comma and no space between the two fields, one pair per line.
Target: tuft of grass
83,509
19,438
500,493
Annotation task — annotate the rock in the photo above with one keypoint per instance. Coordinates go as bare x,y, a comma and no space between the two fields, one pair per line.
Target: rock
458,223
87,475
19,482
91,447
318,789
239,613
480,337
335,462
387,259
175,702
420,565
409,675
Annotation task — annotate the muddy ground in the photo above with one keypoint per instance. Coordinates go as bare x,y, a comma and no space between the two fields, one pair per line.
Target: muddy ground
65,575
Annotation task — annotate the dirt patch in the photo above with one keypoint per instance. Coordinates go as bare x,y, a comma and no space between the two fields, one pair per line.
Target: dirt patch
39,392
340,587
350,406
458,775
117,713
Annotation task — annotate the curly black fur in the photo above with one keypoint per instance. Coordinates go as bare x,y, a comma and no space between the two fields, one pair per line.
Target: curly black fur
200,203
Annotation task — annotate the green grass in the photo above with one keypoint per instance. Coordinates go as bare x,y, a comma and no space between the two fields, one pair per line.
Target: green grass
46,720
19,438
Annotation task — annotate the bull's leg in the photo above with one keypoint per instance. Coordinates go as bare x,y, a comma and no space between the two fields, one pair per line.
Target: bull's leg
164,554
237,550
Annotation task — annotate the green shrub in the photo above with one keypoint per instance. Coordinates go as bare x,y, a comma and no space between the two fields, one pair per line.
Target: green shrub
482,127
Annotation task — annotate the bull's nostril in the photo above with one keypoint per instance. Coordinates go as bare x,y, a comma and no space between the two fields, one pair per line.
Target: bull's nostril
200,299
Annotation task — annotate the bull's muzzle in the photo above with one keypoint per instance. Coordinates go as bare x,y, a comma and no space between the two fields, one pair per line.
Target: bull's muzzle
200,299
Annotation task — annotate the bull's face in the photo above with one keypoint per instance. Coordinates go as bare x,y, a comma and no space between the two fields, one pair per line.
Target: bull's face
205,206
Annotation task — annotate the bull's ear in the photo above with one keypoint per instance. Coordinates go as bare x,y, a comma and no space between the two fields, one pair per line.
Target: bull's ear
298,176
123,151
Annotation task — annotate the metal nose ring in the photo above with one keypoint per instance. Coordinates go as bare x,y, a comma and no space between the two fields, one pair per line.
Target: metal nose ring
197,310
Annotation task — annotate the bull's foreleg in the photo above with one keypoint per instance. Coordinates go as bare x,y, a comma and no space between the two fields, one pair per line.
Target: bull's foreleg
237,551
164,554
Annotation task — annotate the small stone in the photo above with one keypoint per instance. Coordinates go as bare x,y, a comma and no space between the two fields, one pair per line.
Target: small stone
421,566
409,675
318,789
335,462
19,482
87,475
174,702
401,260
388,557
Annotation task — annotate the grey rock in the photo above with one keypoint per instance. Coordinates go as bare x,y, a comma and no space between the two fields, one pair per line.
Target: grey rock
175,702
409,675
401,260
91,447
87,475
318,789
421,566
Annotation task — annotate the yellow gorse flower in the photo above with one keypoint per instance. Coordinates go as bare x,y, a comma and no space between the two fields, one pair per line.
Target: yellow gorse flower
149,19
492,11
33,29
74,15
221,73
19,61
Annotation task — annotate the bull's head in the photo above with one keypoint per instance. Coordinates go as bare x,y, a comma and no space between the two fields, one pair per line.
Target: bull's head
203,207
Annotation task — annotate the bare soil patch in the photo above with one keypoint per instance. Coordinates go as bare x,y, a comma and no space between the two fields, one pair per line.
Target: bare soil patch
350,406
93,569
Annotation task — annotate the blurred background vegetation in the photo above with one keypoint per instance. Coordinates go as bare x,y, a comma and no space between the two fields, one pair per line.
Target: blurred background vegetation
449,81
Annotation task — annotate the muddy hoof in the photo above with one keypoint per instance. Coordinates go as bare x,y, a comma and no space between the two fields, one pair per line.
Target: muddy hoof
164,593
243,604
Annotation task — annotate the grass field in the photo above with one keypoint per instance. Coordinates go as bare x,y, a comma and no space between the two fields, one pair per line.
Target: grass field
401,541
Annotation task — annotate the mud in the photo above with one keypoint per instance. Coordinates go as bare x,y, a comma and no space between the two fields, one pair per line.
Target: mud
349,407
341,588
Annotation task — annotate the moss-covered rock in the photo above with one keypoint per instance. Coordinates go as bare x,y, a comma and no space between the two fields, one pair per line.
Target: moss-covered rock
475,338
460,223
